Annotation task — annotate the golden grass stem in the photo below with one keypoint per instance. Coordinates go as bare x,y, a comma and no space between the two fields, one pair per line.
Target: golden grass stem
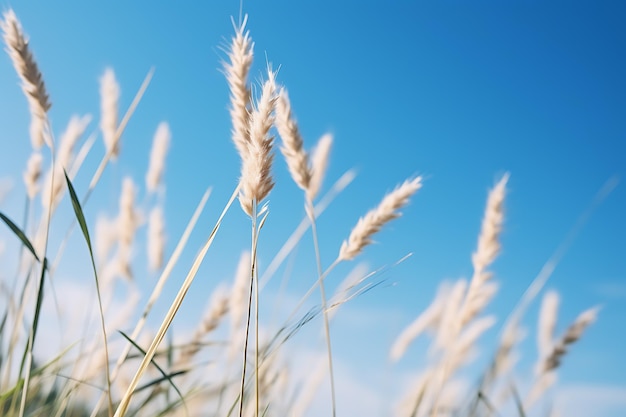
150,352
311,213
158,289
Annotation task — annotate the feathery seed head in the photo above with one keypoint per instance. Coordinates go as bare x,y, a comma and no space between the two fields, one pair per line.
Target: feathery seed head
28,71
109,97
573,333
256,179
293,147
547,323
33,174
240,55
319,163
375,219
479,293
160,146
488,244
156,238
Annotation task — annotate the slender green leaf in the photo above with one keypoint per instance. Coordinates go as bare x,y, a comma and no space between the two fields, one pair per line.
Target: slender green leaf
166,376
80,217
518,401
18,232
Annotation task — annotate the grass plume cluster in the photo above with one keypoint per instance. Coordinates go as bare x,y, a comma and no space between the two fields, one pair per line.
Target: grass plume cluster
126,367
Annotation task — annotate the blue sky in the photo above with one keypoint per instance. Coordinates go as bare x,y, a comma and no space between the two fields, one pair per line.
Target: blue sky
456,92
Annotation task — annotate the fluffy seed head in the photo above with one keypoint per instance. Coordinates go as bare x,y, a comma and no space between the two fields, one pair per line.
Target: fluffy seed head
319,163
429,318
375,219
547,323
28,71
293,146
256,178
573,333
109,97
127,223
156,238
480,292
160,146
33,174
240,55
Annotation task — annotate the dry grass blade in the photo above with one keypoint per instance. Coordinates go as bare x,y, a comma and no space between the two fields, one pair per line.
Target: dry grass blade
118,134
105,160
158,289
124,403
546,270
297,234
156,365
375,219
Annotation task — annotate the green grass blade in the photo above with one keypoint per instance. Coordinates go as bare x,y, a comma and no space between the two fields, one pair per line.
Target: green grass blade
80,217
18,232
518,401
163,373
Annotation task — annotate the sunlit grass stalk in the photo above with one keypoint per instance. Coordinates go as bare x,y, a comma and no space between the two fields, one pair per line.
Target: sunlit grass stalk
254,289
150,352
318,261
302,172
156,292
34,89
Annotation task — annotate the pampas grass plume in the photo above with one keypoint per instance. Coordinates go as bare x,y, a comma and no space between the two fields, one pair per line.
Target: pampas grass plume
319,163
293,146
33,174
256,179
240,55
428,319
160,146
480,292
28,71
376,218
127,223
573,333
109,97
156,238
547,323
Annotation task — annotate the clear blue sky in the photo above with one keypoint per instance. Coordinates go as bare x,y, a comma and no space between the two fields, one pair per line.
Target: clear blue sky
456,92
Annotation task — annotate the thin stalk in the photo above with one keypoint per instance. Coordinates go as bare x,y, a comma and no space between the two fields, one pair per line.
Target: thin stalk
311,212
255,238
33,330
156,292
254,289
